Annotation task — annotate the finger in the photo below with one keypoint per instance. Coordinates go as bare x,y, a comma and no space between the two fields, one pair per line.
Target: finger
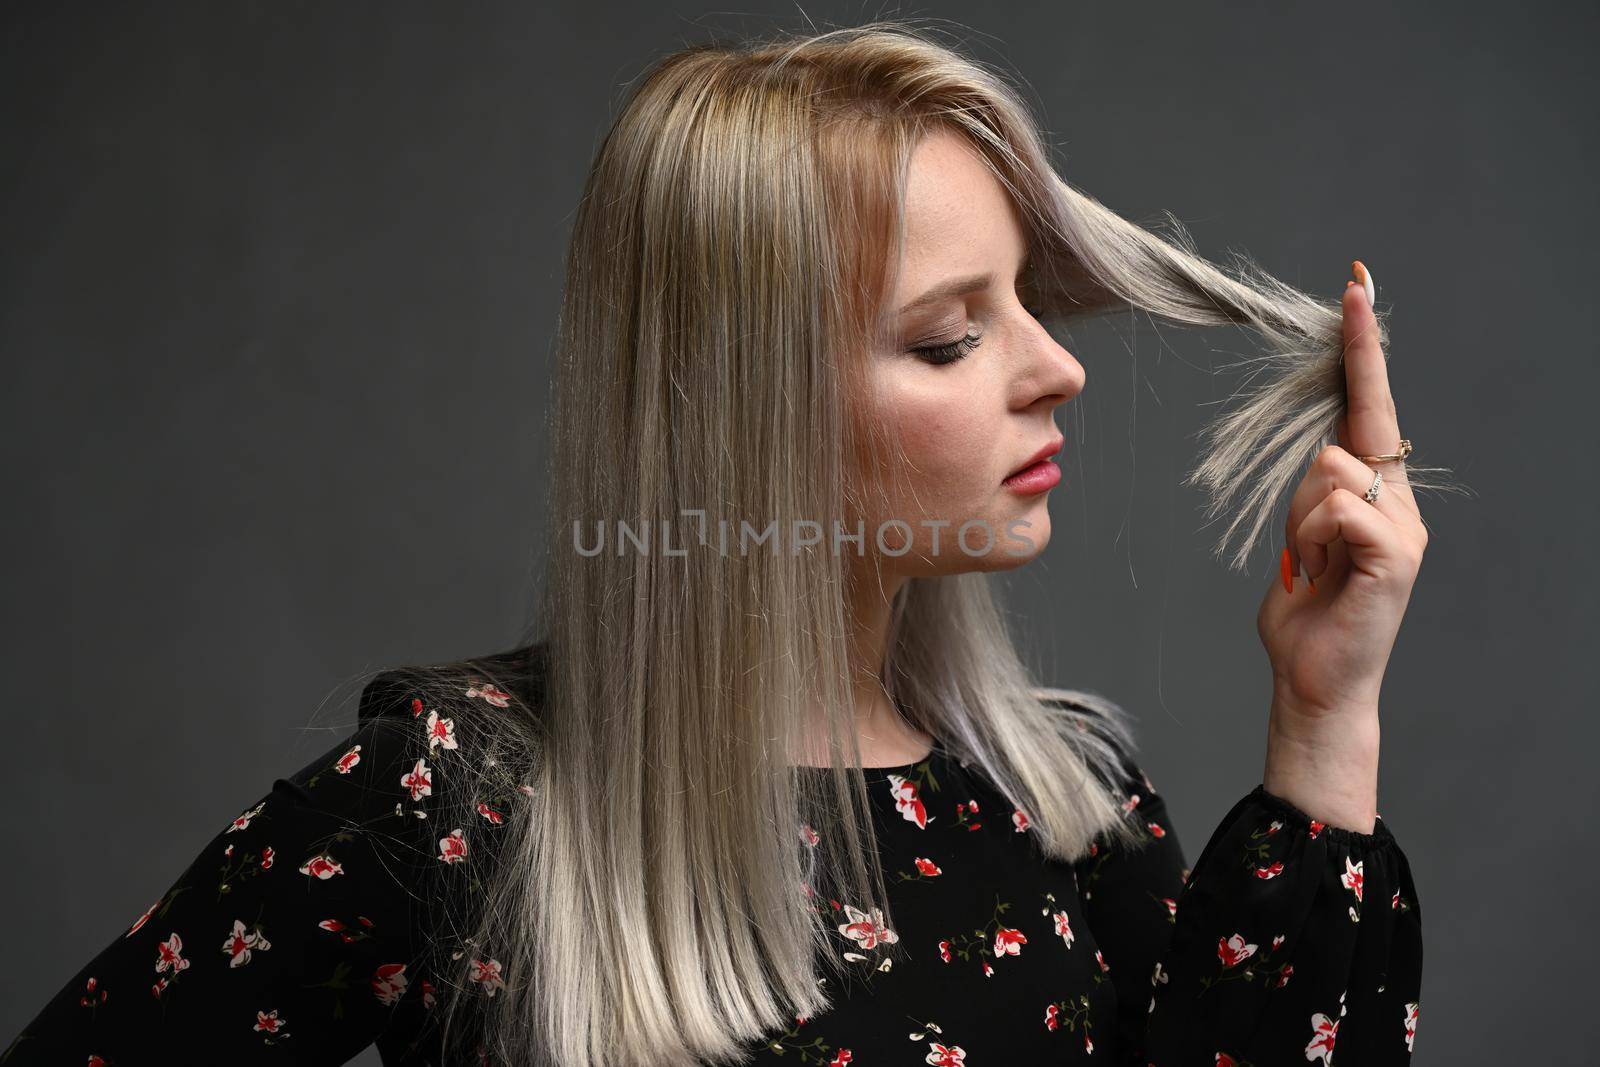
1371,424
1332,469
1369,406
1369,536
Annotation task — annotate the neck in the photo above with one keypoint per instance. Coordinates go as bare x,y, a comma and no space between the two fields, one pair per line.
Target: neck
884,737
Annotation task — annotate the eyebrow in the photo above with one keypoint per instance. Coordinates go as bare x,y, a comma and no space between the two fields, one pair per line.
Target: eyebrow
962,286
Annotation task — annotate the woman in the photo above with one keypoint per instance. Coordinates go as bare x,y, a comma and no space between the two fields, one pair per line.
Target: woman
772,784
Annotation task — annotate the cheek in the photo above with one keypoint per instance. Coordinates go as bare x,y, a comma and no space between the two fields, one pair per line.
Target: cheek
946,425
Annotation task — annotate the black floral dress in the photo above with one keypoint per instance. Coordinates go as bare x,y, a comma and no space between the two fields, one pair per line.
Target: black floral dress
296,934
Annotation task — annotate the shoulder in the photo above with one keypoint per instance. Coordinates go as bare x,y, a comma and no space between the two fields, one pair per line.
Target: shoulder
426,742
485,684
435,765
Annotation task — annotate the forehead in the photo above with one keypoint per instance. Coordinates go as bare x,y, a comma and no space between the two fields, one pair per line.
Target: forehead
957,214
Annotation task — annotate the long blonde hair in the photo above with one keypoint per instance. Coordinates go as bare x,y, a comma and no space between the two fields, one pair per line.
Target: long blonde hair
652,900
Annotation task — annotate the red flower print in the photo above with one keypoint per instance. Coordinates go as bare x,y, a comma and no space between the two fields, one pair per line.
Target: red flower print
1316,828
944,951
988,971
842,1059
1234,950
169,956
266,858
1284,976
1009,942
453,847
419,782
494,817
1225,1060
1413,1012
243,821
1172,907
441,732
867,931
493,695
1088,1046
1157,829
1064,927
416,707
268,1022
334,926
1394,901
1101,960
141,920
348,760
487,973
1324,1031
1270,872
908,802
98,1061
89,999
389,983
241,943
1052,1016
1131,803
323,867
1277,824
428,999
1352,878
809,836
1020,820
927,868
946,1055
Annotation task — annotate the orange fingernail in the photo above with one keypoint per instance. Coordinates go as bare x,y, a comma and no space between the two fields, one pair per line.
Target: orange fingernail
1364,276
1311,582
1288,572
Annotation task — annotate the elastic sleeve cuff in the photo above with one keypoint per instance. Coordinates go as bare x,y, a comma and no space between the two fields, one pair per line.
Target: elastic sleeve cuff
1293,816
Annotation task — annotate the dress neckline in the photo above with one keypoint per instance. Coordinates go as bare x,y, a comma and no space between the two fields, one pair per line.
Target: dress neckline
937,752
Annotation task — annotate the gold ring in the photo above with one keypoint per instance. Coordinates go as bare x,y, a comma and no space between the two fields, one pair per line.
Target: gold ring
1405,450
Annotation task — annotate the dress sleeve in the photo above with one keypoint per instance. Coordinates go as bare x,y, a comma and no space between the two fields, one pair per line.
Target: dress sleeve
288,939
1288,938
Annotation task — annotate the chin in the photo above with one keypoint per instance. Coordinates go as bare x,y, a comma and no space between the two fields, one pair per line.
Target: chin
1012,551
1004,558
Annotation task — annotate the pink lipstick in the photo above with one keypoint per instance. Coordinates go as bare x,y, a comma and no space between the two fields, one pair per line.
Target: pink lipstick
1038,473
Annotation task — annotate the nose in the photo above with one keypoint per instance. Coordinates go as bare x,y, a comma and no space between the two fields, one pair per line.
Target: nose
1047,373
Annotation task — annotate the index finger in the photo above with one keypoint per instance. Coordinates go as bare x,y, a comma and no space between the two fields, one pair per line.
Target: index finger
1371,425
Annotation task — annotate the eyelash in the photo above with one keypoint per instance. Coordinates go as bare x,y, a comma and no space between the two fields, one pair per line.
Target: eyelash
943,355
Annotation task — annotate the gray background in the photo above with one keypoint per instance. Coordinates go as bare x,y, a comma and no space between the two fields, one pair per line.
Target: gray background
278,287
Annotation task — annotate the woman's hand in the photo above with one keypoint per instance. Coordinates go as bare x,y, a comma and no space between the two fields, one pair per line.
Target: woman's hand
1329,638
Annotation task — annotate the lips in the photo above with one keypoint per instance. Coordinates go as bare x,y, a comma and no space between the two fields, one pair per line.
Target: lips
1044,453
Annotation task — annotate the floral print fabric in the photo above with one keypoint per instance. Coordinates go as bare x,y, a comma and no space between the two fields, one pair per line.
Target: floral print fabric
296,935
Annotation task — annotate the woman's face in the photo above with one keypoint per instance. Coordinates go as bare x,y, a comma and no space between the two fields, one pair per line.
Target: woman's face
967,413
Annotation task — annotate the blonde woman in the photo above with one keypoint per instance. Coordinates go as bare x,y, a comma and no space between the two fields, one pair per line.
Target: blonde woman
769,782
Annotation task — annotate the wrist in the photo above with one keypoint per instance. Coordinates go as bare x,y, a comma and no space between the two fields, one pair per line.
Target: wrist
1326,765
